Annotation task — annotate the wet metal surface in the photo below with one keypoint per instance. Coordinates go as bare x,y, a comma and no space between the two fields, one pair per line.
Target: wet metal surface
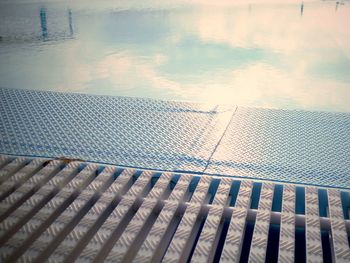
281,145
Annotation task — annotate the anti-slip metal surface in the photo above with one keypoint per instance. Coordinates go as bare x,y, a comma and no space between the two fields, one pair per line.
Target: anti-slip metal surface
117,130
63,211
290,146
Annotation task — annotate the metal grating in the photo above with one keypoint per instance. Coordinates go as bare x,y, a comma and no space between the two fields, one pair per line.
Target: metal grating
64,211
116,130
285,145
278,145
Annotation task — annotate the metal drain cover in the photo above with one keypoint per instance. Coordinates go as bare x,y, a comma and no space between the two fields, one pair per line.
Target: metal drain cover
60,211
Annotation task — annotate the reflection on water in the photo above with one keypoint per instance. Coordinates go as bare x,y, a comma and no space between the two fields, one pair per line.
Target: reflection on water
43,23
293,55
301,9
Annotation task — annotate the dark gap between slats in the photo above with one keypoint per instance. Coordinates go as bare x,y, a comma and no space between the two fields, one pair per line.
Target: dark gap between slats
168,236
191,188
300,245
214,184
326,246
247,241
345,200
323,203
234,193
172,183
255,196
277,198
273,243
196,231
300,200
221,235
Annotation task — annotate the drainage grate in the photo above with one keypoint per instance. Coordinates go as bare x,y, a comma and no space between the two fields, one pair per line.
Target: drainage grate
60,211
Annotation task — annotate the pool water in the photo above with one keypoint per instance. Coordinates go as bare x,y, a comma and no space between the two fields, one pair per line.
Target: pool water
290,55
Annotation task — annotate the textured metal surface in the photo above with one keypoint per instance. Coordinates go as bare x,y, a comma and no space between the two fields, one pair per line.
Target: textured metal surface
150,248
313,235
92,213
117,130
180,245
289,146
138,222
287,232
262,222
203,251
234,240
88,223
339,233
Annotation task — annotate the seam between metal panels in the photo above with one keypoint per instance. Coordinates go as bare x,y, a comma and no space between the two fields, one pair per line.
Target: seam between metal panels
220,139
302,147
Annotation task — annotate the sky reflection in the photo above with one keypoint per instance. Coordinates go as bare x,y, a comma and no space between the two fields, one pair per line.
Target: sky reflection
271,55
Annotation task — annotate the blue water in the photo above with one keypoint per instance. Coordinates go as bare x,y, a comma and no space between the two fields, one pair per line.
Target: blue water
279,55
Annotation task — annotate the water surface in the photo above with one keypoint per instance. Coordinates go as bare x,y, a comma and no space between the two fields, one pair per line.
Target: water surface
279,55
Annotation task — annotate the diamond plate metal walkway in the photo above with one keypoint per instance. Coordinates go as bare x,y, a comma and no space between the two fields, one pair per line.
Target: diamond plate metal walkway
278,145
64,211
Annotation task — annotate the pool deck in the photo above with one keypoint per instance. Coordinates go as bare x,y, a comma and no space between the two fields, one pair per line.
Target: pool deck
301,147
150,181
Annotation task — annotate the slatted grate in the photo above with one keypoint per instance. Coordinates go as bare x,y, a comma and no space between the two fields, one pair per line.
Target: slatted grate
59,211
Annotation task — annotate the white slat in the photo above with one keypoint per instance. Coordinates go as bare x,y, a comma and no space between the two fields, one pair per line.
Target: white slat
4,160
97,185
20,176
11,168
339,234
43,193
148,249
312,227
110,225
135,225
80,230
262,223
30,186
233,242
205,243
182,234
68,187
287,228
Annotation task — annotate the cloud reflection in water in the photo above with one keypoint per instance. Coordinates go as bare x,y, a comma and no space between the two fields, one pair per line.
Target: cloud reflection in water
270,55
